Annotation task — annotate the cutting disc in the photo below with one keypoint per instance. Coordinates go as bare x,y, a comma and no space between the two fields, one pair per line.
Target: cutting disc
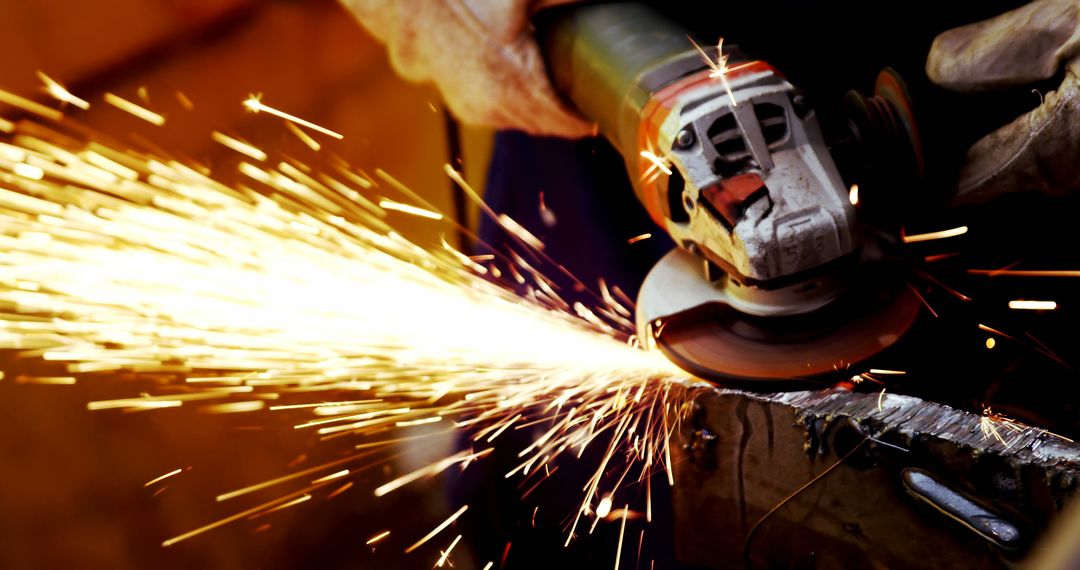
715,342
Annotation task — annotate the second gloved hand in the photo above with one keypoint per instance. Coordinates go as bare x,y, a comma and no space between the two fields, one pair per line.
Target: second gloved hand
480,54
1037,151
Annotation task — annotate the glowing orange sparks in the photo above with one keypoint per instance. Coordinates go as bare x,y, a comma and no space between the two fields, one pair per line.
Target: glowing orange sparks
255,104
407,209
58,92
622,532
1028,305
511,225
28,171
331,477
929,236
604,507
304,137
560,366
377,537
446,554
163,477
658,162
1026,272
29,106
718,66
133,109
239,146
442,526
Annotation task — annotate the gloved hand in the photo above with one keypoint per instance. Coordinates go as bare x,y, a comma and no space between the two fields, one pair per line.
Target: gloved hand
480,54
1038,150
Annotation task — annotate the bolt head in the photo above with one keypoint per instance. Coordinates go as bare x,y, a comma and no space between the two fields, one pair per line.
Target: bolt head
685,139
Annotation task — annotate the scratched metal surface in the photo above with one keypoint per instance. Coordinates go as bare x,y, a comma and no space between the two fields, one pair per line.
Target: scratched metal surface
913,417
740,454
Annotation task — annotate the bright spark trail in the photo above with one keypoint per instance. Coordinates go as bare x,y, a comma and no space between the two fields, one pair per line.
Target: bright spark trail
292,286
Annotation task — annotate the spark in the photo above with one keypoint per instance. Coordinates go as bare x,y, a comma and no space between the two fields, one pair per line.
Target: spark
133,404
881,400
989,423
887,372
658,162
1027,305
638,238
29,106
377,537
233,407
230,297
1027,272
990,343
407,209
254,103
185,101
656,165
444,555
604,507
332,476
994,331
134,109
304,137
942,234
428,470
442,526
60,93
622,532
339,490
29,171
419,422
719,67
232,518
511,225
163,477
302,499
47,380
853,195
546,215
239,146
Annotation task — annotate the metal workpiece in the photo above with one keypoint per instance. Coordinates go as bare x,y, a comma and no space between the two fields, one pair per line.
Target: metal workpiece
904,483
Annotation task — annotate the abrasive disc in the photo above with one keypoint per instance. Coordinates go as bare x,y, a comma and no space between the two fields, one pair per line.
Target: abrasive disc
715,342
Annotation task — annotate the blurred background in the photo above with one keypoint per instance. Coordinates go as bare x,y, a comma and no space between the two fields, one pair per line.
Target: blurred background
72,482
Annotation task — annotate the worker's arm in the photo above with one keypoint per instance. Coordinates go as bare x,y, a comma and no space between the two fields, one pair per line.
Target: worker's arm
480,54
1038,150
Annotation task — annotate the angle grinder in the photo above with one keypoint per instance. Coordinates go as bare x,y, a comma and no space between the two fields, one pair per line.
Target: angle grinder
775,278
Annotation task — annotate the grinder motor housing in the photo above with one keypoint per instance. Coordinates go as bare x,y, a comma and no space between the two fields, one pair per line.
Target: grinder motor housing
745,181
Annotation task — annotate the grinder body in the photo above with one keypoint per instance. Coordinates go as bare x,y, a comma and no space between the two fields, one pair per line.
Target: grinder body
726,156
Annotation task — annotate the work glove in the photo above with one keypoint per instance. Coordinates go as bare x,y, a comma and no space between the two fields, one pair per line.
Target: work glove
480,54
1039,150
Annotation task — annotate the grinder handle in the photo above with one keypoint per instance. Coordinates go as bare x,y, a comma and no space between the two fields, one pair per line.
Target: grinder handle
607,59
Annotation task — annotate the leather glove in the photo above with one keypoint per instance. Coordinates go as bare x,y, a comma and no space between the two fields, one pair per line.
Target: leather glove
480,54
1038,150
